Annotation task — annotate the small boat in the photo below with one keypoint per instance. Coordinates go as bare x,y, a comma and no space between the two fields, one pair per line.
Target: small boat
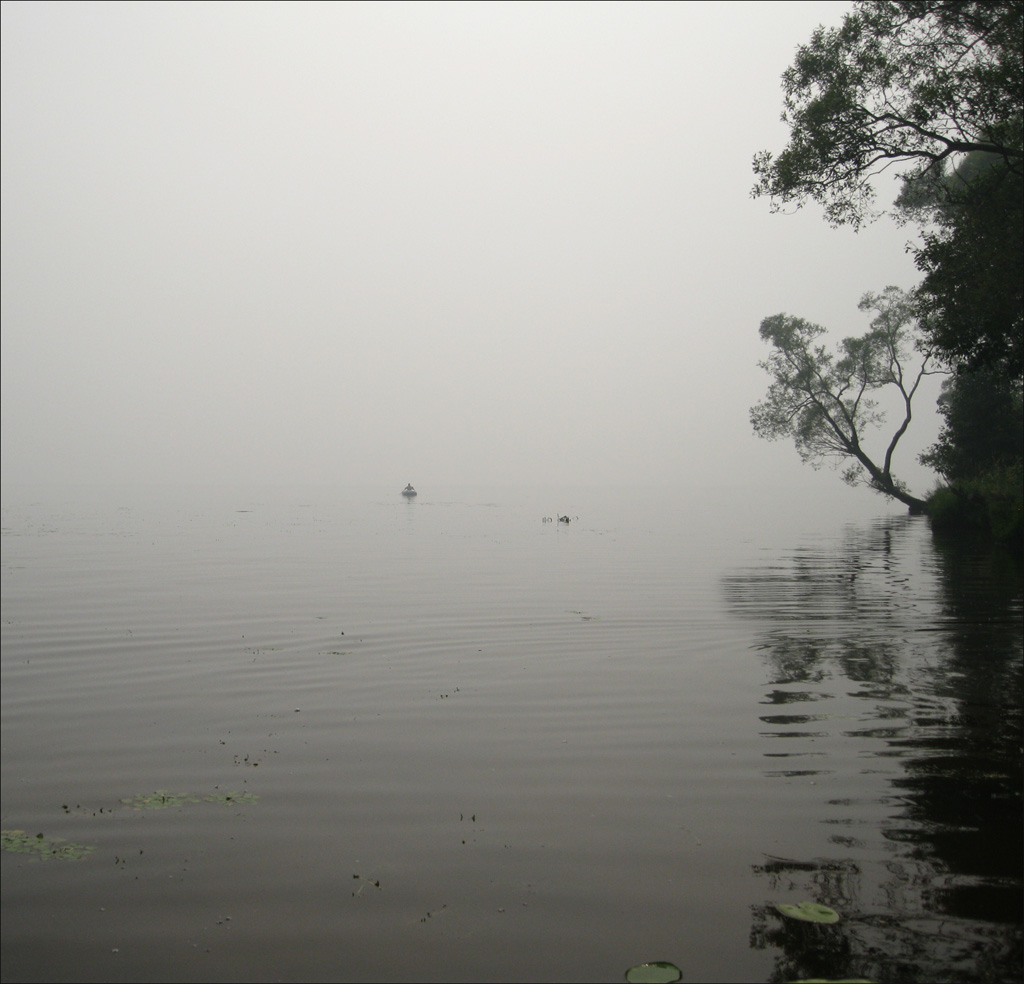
408,491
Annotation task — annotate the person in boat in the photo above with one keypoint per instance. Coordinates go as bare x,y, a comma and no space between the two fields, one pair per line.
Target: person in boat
409,488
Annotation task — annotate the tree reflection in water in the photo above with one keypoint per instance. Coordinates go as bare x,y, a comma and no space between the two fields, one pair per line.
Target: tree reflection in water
892,731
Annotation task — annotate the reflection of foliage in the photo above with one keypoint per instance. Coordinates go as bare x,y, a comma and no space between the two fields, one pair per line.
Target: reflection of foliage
834,881
848,581
53,848
917,641
807,949
799,659
161,799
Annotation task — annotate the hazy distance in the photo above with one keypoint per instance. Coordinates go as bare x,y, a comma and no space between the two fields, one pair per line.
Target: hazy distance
427,242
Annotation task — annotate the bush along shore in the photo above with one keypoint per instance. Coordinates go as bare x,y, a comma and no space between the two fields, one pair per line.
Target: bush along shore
991,503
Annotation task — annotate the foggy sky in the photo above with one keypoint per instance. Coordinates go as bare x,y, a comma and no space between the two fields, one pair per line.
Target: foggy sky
380,243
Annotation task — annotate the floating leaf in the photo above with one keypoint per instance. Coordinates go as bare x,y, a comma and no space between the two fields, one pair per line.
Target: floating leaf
658,972
44,848
230,799
809,912
161,799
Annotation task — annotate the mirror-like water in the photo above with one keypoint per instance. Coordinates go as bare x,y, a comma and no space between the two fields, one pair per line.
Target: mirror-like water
445,740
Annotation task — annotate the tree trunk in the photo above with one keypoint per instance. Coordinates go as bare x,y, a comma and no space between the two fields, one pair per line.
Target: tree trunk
912,502
881,481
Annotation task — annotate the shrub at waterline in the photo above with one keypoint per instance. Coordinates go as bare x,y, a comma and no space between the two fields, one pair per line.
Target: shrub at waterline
991,503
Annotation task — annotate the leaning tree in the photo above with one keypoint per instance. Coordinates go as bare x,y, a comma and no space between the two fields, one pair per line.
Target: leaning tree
827,402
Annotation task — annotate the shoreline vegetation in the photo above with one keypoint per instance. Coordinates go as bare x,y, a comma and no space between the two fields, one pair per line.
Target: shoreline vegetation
932,93
992,504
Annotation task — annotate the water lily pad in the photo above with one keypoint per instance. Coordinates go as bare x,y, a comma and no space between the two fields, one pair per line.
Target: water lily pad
53,848
657,972
161,799
808,912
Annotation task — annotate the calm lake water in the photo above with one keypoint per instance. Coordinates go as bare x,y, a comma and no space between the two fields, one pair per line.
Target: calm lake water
445,740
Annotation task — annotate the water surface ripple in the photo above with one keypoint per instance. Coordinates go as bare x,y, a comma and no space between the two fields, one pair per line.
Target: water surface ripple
486,747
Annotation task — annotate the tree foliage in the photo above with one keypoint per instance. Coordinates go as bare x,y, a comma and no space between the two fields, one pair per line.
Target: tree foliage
972,258
983,412
909,84
827,402
931,91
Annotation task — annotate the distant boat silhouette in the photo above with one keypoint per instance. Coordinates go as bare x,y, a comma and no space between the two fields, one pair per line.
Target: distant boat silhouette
408,491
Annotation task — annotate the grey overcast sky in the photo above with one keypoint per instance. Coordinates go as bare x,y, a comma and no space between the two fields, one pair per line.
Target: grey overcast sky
389,242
